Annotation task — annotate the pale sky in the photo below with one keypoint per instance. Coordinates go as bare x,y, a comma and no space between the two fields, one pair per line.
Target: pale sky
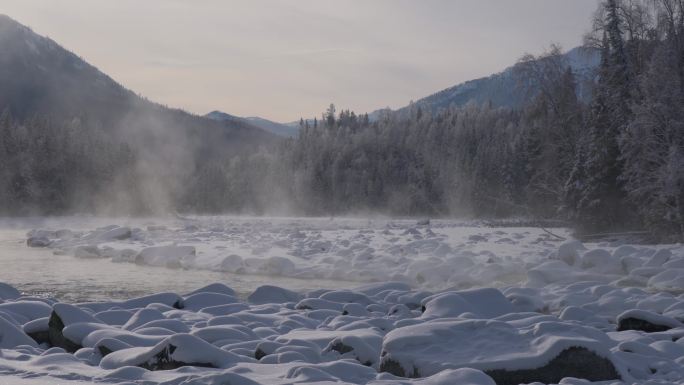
283,59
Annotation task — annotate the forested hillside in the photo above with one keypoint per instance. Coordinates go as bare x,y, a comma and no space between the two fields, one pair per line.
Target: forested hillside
75,140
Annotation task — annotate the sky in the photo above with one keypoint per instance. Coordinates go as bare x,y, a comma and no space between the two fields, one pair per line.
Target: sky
284,59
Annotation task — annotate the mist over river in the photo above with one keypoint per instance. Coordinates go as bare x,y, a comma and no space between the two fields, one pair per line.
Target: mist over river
46,273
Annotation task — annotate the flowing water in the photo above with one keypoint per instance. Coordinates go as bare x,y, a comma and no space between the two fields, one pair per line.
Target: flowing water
39,272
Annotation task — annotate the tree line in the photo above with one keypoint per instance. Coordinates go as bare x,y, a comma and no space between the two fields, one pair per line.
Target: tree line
613,163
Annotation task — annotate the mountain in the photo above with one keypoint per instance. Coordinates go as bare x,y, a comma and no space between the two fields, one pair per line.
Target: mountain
504,88
38,77
279,129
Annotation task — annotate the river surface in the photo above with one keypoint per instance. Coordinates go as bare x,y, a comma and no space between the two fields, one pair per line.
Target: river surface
39,272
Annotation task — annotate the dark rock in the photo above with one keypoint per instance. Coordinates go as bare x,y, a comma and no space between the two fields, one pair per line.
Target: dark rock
37,242
273,294
393,367
125,234
64,234
259,354
265,348
632,323
104,350
55,336
341,348
41,337
163,361
573,362
107,346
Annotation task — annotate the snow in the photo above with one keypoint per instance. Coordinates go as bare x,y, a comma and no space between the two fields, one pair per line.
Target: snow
12,336
478,303
650,317
183,348
450,302
430,347
8,292
271,294
70,314
439,255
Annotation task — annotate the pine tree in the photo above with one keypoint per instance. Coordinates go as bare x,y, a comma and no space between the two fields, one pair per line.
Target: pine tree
595,196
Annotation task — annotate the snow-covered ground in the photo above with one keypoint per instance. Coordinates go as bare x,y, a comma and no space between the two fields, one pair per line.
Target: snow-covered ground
356,301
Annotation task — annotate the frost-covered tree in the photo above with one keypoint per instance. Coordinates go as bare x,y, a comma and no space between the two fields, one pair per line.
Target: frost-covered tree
653,143
595,197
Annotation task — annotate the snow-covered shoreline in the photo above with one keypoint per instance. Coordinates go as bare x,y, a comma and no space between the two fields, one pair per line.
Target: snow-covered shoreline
443,302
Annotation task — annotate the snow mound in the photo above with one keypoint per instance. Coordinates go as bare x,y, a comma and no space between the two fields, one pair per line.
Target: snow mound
478,303
171,353
499,349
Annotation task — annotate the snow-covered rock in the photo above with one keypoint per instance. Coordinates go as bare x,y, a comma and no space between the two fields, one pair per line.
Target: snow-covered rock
11,336
8,292
171,353
273,294
545,352
64,315
38,242
646,321
477,303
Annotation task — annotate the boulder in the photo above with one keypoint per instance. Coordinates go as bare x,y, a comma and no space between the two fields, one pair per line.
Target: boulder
602,261
11,336
273,294
214,288
87,252
568,251
164,299
8,292
118,233
483,303
512,352
109,345
646,321
572,362
26,310
171,353
55,336
38,330
61,316
38,242
355,347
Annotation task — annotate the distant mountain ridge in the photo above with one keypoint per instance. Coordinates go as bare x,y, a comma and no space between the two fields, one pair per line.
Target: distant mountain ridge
38,77
279,129
503,89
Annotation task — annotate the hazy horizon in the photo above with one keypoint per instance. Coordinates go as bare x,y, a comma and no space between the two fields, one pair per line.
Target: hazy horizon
281,60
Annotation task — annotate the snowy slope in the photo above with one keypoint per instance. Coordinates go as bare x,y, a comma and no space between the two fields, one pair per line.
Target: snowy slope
503,89
40,78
